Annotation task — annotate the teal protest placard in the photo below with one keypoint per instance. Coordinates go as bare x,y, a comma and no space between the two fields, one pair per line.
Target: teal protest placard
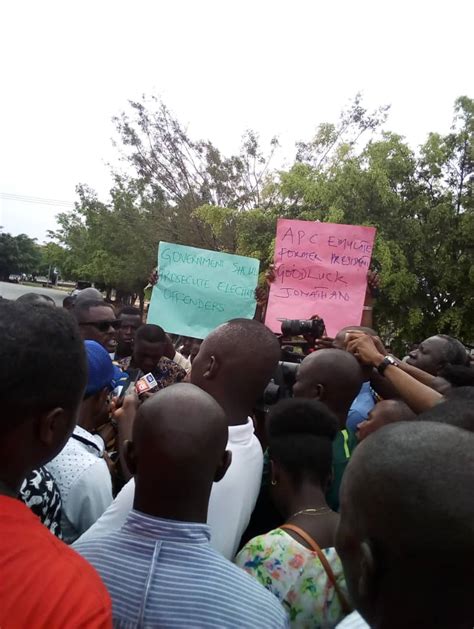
197,289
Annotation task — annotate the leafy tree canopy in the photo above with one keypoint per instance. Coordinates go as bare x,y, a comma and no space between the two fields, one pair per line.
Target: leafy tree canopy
353,171
18,254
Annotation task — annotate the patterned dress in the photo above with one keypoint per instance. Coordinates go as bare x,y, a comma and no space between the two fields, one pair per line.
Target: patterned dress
297,578
41,494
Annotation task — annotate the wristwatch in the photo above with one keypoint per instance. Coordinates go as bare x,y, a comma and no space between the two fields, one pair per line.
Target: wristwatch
388,360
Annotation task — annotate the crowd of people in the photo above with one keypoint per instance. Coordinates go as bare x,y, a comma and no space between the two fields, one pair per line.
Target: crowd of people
146,480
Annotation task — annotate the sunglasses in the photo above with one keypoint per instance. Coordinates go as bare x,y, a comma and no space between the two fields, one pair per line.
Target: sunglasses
104,326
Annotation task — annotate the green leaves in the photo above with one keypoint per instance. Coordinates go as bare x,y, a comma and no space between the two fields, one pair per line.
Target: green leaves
186,191
18,254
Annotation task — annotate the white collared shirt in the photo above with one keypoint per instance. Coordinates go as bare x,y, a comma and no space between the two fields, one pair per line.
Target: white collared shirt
232,499
84,482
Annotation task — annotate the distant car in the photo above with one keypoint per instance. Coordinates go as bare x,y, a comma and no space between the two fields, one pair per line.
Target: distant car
41,279
14,279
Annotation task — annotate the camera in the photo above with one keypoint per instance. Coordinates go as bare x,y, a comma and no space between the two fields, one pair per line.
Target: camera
280,386
299,327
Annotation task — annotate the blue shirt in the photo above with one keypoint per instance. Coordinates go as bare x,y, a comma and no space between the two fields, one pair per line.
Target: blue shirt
164,573
361,407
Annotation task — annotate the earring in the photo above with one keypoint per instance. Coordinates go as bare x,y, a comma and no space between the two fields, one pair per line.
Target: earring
274,482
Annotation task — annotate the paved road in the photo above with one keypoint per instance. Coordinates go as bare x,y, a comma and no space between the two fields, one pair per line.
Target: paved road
13,291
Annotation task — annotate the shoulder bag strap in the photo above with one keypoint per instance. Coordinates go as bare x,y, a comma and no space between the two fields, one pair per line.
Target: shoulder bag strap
346,608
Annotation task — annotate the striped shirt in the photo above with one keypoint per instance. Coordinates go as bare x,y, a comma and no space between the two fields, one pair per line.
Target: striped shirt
164,573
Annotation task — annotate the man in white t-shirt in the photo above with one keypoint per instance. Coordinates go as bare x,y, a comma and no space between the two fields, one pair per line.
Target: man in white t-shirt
80,469
234,365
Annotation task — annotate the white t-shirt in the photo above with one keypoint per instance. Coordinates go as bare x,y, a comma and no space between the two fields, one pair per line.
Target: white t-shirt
353,621
84,482
232,499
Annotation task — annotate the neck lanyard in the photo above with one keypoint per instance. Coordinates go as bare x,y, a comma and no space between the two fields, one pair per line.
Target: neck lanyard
86,442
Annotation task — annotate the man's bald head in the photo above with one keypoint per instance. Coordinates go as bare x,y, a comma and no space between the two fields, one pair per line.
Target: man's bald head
333,376
178,450
340,338
407,524
236,361
383,413
456,411
340,343
86,294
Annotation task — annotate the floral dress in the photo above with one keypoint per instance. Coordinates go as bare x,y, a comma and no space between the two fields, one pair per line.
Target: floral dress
297,578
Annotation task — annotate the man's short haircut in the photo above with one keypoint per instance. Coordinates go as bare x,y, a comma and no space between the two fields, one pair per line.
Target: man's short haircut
151,334
458,375
454,351
68,301
462,393
131,311
82,308
409,490
300,436
86,294
254,350
42,360
457,412
35,298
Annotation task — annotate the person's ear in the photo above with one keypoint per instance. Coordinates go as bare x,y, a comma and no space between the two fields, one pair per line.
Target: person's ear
99,406
212,368
275,475
366,583
319,392
223,466
129,455
101,399
54,429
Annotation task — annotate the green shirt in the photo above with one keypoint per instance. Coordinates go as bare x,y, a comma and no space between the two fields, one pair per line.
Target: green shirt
342,448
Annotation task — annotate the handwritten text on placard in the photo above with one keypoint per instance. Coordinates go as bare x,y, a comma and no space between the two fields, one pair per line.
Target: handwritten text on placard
198,289
321,268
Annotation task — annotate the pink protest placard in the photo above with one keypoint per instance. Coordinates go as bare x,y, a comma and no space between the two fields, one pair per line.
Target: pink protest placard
321,269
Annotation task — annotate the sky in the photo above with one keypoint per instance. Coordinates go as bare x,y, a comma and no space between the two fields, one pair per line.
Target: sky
221,66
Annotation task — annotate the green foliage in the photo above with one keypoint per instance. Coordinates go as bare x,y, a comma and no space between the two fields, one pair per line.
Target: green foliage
353,172
18,254
113,245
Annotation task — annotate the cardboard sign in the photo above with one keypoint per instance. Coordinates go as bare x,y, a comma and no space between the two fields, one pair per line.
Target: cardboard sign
198,290
321,269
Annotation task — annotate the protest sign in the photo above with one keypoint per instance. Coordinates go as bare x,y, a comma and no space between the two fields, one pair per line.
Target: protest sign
321,269
197,289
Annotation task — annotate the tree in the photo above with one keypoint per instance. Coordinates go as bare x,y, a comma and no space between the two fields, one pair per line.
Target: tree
185,173
353,171
422,207
112,244
18,254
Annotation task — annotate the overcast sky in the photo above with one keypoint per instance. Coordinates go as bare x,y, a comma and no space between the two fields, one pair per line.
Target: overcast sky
222,66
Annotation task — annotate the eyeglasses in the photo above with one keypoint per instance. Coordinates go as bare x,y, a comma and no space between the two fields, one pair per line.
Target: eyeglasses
103,326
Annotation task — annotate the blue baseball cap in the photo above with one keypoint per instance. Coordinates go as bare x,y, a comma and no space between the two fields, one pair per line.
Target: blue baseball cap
101,372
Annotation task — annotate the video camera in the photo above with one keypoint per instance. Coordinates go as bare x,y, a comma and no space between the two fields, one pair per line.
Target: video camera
299,327
280,386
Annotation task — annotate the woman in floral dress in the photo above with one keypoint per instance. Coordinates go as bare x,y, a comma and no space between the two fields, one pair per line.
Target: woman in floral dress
298,561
